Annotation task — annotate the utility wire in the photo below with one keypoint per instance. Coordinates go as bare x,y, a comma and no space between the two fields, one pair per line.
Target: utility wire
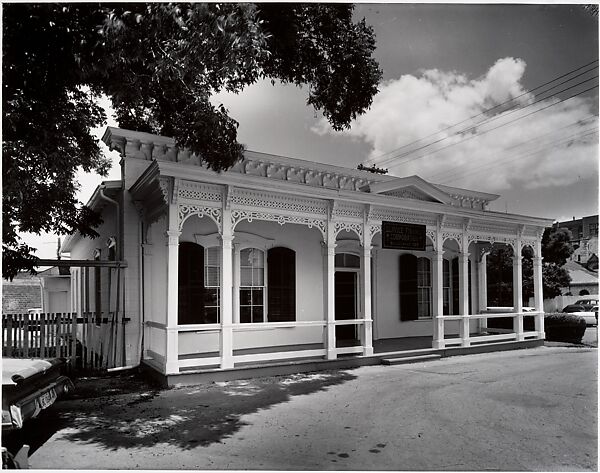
499,126
474,127
583,122
374,159
453,176
501,162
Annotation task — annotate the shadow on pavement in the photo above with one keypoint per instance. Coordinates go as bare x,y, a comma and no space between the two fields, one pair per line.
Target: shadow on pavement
187,417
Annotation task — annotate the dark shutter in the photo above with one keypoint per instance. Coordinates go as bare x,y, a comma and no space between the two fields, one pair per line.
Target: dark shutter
455,287
281,285
408,288
191,284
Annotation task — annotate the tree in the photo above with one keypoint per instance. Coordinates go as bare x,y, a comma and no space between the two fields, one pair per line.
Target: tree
159,64
556,250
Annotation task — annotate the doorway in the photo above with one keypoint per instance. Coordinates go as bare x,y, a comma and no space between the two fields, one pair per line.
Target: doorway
346,305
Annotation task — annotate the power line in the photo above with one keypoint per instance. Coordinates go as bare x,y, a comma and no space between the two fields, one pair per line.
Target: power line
502,162
582,122
474,127
374,159
499,126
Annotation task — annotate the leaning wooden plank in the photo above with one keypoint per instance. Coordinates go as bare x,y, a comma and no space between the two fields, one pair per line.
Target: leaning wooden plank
73,339
9,335
43,335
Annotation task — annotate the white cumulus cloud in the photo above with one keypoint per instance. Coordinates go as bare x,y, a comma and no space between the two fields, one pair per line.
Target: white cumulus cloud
554,146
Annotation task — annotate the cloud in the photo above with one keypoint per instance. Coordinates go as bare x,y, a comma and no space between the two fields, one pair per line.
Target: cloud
553,147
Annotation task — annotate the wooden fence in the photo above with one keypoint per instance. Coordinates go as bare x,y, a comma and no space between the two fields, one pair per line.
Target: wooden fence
89,342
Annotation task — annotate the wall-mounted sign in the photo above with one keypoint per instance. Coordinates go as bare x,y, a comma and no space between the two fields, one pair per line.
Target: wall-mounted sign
403,236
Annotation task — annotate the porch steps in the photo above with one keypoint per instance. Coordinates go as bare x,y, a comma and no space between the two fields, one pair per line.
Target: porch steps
409,359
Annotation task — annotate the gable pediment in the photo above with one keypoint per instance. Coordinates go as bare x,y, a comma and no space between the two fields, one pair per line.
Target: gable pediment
412,187
410,192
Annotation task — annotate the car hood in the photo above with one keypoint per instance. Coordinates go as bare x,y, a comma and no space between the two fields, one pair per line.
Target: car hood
16,370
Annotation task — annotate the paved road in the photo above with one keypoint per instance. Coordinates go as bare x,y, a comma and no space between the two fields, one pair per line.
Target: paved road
521,410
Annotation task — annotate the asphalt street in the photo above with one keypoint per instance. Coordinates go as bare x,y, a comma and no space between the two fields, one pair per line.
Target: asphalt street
530,409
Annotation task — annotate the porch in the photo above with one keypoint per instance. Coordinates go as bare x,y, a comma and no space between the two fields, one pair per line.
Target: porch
409,349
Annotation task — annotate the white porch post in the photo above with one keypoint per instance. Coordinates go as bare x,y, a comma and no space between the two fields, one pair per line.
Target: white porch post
474,303
518,291
482,286
330,276
366,295
146,287
226,289
463,300
172,351
438,293
538,293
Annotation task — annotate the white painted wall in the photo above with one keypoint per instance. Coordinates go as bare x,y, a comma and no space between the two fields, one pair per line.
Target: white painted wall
387,305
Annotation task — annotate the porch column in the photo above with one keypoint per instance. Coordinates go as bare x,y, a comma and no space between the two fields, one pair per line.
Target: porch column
172,351
146,287
438,293
226,290
518,291
463,299
366,292
538,294
482,286
473,302
330,278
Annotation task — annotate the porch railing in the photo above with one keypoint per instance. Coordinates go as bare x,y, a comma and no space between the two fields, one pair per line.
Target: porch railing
485,334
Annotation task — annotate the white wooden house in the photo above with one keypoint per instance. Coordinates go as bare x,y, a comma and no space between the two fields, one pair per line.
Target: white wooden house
284,259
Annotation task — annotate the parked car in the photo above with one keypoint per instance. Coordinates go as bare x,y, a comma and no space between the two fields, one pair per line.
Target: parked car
28,387
589,314
583,305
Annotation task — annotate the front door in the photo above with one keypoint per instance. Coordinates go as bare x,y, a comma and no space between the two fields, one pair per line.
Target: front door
345,304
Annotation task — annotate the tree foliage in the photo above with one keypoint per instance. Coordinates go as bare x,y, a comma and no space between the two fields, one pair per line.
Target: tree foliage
159,64
556,249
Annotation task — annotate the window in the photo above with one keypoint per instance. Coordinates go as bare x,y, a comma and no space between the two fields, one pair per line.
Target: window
347,260
252,285
423,288
199,284
212,285
281,283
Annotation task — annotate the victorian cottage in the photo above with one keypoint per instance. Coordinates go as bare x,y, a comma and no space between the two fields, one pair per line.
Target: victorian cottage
284,262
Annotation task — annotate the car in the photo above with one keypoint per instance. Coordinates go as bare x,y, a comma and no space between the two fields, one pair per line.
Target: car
583,305
589,314
28,387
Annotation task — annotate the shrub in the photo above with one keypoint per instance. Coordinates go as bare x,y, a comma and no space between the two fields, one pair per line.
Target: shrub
561,327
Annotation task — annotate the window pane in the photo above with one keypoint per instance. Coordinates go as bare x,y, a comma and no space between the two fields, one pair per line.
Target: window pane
245,315
258,314
245,276
213,256
257,297
258,277
245,296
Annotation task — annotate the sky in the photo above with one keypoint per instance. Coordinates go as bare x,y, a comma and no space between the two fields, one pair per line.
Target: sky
443,64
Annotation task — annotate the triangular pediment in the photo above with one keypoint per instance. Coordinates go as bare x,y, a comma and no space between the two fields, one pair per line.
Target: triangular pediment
412,187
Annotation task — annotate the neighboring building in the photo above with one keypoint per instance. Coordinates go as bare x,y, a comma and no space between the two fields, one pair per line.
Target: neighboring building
285,259
583,281
21,294
584,232
56,290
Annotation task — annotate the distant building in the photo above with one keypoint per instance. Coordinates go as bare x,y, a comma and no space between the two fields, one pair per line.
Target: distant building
584,233
21,294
